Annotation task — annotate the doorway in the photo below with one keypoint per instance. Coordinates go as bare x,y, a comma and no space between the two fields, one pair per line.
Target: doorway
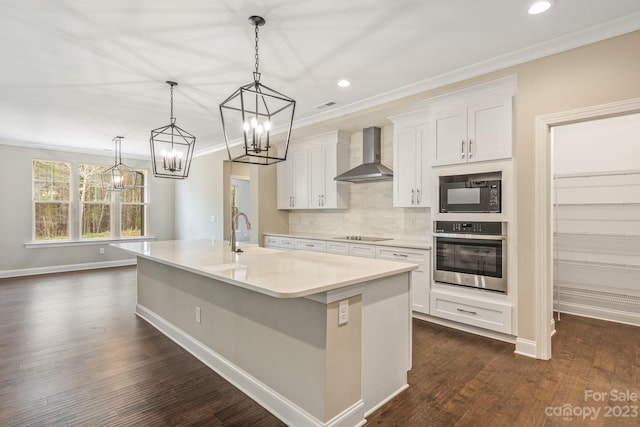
596,218
543,212
241,200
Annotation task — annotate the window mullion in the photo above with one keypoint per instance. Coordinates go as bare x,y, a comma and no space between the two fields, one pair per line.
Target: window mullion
75,207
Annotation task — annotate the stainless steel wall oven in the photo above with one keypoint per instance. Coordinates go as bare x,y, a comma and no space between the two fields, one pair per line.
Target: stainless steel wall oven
472,254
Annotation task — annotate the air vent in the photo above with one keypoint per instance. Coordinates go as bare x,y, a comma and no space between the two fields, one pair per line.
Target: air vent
325,105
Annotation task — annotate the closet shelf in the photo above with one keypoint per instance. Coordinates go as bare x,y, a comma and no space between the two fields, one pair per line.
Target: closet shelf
600,265
597,174
599,235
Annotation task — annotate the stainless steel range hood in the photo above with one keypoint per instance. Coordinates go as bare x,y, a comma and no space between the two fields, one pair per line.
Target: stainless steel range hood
371,169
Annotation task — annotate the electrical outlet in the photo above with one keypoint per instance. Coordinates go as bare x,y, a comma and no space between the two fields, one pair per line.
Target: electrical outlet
101,251
343,312
213,218
198,315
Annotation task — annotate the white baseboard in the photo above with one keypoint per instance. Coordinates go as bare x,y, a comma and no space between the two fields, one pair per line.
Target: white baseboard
65,268
287,411
466,328
600,313
526,348
385,401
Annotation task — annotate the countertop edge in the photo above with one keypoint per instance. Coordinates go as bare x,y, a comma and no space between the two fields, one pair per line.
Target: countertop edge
282,295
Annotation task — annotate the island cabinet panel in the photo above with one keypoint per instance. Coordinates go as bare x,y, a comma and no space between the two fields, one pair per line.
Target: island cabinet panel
293,349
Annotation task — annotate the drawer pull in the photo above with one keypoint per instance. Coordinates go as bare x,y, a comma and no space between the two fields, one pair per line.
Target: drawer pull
402,255
309,245
466,311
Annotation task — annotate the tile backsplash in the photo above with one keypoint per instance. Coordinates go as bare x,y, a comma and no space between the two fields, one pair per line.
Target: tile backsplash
371,211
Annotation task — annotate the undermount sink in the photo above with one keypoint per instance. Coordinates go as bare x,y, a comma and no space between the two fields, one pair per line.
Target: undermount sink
362,238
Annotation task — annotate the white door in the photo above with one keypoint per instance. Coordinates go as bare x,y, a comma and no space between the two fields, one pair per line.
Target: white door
449,135
404,168
489,128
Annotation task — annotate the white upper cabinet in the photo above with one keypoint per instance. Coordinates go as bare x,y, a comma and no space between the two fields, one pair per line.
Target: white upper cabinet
326,161
305,179
411,162
474,128
293,189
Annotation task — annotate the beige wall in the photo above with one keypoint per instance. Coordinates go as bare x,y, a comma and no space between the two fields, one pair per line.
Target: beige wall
597,74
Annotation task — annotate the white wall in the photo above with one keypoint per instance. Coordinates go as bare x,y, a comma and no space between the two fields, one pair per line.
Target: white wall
609,144
200,197
16,221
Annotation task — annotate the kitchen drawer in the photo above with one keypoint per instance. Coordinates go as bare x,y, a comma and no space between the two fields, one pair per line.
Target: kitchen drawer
287,243
271,242
340,248
365,251
311,245
401,254
480,313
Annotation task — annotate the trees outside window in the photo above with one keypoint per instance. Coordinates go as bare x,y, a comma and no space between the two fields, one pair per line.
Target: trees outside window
100,214
51,200
95,203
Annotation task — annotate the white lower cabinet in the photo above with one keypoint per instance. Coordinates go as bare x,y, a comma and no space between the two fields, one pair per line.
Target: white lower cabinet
339,248
365,251
278,242
483,313
310,245
272,241
420,278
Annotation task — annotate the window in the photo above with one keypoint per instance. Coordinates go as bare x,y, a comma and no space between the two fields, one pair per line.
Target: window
98,214
133,207
51,200
95,203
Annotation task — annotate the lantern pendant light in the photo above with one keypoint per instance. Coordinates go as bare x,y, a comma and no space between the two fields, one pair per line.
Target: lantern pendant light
119,176
171,148
251,113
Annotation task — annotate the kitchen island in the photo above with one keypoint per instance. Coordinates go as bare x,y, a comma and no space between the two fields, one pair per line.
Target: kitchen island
317,339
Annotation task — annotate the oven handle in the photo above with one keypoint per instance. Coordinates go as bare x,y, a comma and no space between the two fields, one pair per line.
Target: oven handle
470,236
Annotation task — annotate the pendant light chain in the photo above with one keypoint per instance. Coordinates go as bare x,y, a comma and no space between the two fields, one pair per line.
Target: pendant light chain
257,55
172,119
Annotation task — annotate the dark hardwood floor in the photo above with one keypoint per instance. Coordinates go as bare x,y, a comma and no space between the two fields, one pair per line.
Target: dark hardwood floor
73,353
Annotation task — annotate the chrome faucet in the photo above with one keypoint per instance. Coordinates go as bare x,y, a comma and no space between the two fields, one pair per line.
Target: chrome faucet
234,224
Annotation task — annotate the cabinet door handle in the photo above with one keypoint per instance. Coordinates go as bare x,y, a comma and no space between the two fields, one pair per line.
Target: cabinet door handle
470,148
401,255
466,311
293,198
418,198
462,153
290,201
413,196
322,199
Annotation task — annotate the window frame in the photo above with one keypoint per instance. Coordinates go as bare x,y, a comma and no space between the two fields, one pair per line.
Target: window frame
75,206
68,202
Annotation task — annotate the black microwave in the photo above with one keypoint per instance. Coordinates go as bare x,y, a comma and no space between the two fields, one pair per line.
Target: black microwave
471,195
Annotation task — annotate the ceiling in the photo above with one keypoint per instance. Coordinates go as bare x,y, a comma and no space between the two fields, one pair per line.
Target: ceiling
77,73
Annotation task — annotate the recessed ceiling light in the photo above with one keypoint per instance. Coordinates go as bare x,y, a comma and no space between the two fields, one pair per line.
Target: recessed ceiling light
539,7
344,83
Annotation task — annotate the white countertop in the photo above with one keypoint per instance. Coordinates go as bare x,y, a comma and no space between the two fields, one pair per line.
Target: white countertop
423,244
278,273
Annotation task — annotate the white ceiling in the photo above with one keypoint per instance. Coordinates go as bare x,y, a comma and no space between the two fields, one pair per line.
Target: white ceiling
76,73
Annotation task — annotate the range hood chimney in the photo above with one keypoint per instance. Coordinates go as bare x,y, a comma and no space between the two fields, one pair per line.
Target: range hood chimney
371,169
